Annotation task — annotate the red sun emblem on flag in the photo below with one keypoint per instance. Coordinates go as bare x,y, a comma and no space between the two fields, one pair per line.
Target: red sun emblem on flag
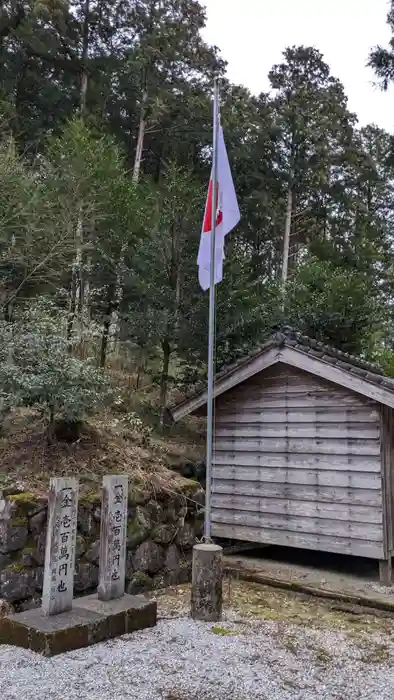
208,211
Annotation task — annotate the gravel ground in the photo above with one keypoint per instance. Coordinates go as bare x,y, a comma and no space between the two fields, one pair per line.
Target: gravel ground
243,658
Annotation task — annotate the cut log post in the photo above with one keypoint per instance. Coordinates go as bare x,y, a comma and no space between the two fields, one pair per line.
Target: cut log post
207,583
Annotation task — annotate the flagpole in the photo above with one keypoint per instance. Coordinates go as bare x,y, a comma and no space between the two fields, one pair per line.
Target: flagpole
211,322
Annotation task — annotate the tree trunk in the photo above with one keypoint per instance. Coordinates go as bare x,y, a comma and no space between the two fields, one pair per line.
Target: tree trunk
107,325
141,136
78,292
164,379
135,179
286,238
72,308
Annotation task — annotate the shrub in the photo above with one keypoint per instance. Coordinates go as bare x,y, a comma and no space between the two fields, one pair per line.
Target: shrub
38,368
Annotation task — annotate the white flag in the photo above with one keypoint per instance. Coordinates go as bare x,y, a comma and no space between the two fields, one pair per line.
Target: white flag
227,217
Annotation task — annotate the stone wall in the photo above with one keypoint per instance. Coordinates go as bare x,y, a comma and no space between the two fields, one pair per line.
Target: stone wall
161,532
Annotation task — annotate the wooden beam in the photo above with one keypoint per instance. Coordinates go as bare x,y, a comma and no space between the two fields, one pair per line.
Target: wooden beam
256,365
336,375
295,358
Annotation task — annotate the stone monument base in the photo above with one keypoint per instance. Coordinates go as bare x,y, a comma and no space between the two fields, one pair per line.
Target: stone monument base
89,622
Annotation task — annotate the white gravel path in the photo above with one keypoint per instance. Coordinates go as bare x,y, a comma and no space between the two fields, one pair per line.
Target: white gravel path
182,660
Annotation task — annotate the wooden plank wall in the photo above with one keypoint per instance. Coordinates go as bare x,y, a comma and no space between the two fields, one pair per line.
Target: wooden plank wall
297,462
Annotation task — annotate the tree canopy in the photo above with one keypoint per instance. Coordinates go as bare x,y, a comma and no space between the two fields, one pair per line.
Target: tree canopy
105,108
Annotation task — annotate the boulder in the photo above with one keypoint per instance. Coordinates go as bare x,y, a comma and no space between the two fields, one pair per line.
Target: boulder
5,560
172,558
80,546
185,570
176,511
38,553
85,576
13,534
139,583
155,510
92,554
39,580
37,522
86,522
138,496
172,564
129,565
164,533
17,583
186,537
139,527
26,556
149,557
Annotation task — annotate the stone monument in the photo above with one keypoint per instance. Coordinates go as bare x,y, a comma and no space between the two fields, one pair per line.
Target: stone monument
113,538
62,623
57,594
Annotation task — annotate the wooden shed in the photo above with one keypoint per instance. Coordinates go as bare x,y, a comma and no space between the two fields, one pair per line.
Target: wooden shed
303,450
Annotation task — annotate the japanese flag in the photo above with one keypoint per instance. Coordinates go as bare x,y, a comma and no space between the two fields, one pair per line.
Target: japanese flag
227,217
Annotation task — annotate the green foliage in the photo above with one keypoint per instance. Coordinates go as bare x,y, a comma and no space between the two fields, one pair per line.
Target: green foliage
106,118
334,305
381,59
39,370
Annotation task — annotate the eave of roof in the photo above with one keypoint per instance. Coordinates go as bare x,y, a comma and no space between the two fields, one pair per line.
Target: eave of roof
353,366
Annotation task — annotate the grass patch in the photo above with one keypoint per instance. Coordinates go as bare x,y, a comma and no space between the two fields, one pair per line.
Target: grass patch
378,654
322,656
223,632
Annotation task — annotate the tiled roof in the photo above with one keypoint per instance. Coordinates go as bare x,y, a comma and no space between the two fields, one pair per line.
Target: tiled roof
291,338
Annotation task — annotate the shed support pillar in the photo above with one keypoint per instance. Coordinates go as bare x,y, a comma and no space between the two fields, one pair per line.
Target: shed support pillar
385,571
207,583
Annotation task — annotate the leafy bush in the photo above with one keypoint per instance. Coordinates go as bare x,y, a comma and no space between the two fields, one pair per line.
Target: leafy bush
38,368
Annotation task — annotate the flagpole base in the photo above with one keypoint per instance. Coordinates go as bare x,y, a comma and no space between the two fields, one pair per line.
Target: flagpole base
207,583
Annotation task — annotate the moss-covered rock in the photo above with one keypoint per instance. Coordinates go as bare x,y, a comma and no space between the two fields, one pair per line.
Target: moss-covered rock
37,522
186,536
38,553
176,511
80,546
26,503
138,528
90,500
149,557
139,583
26,555
164,533
86,576
172,558
93,552
87,524
13,534
18,521
5,559
156,511
185,570
17,582
138,496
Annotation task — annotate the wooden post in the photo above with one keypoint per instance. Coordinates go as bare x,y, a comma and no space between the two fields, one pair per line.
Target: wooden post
113,537
207,583
385,572
57,594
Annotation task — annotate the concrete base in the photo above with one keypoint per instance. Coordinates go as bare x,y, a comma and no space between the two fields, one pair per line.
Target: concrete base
89,622
207,583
